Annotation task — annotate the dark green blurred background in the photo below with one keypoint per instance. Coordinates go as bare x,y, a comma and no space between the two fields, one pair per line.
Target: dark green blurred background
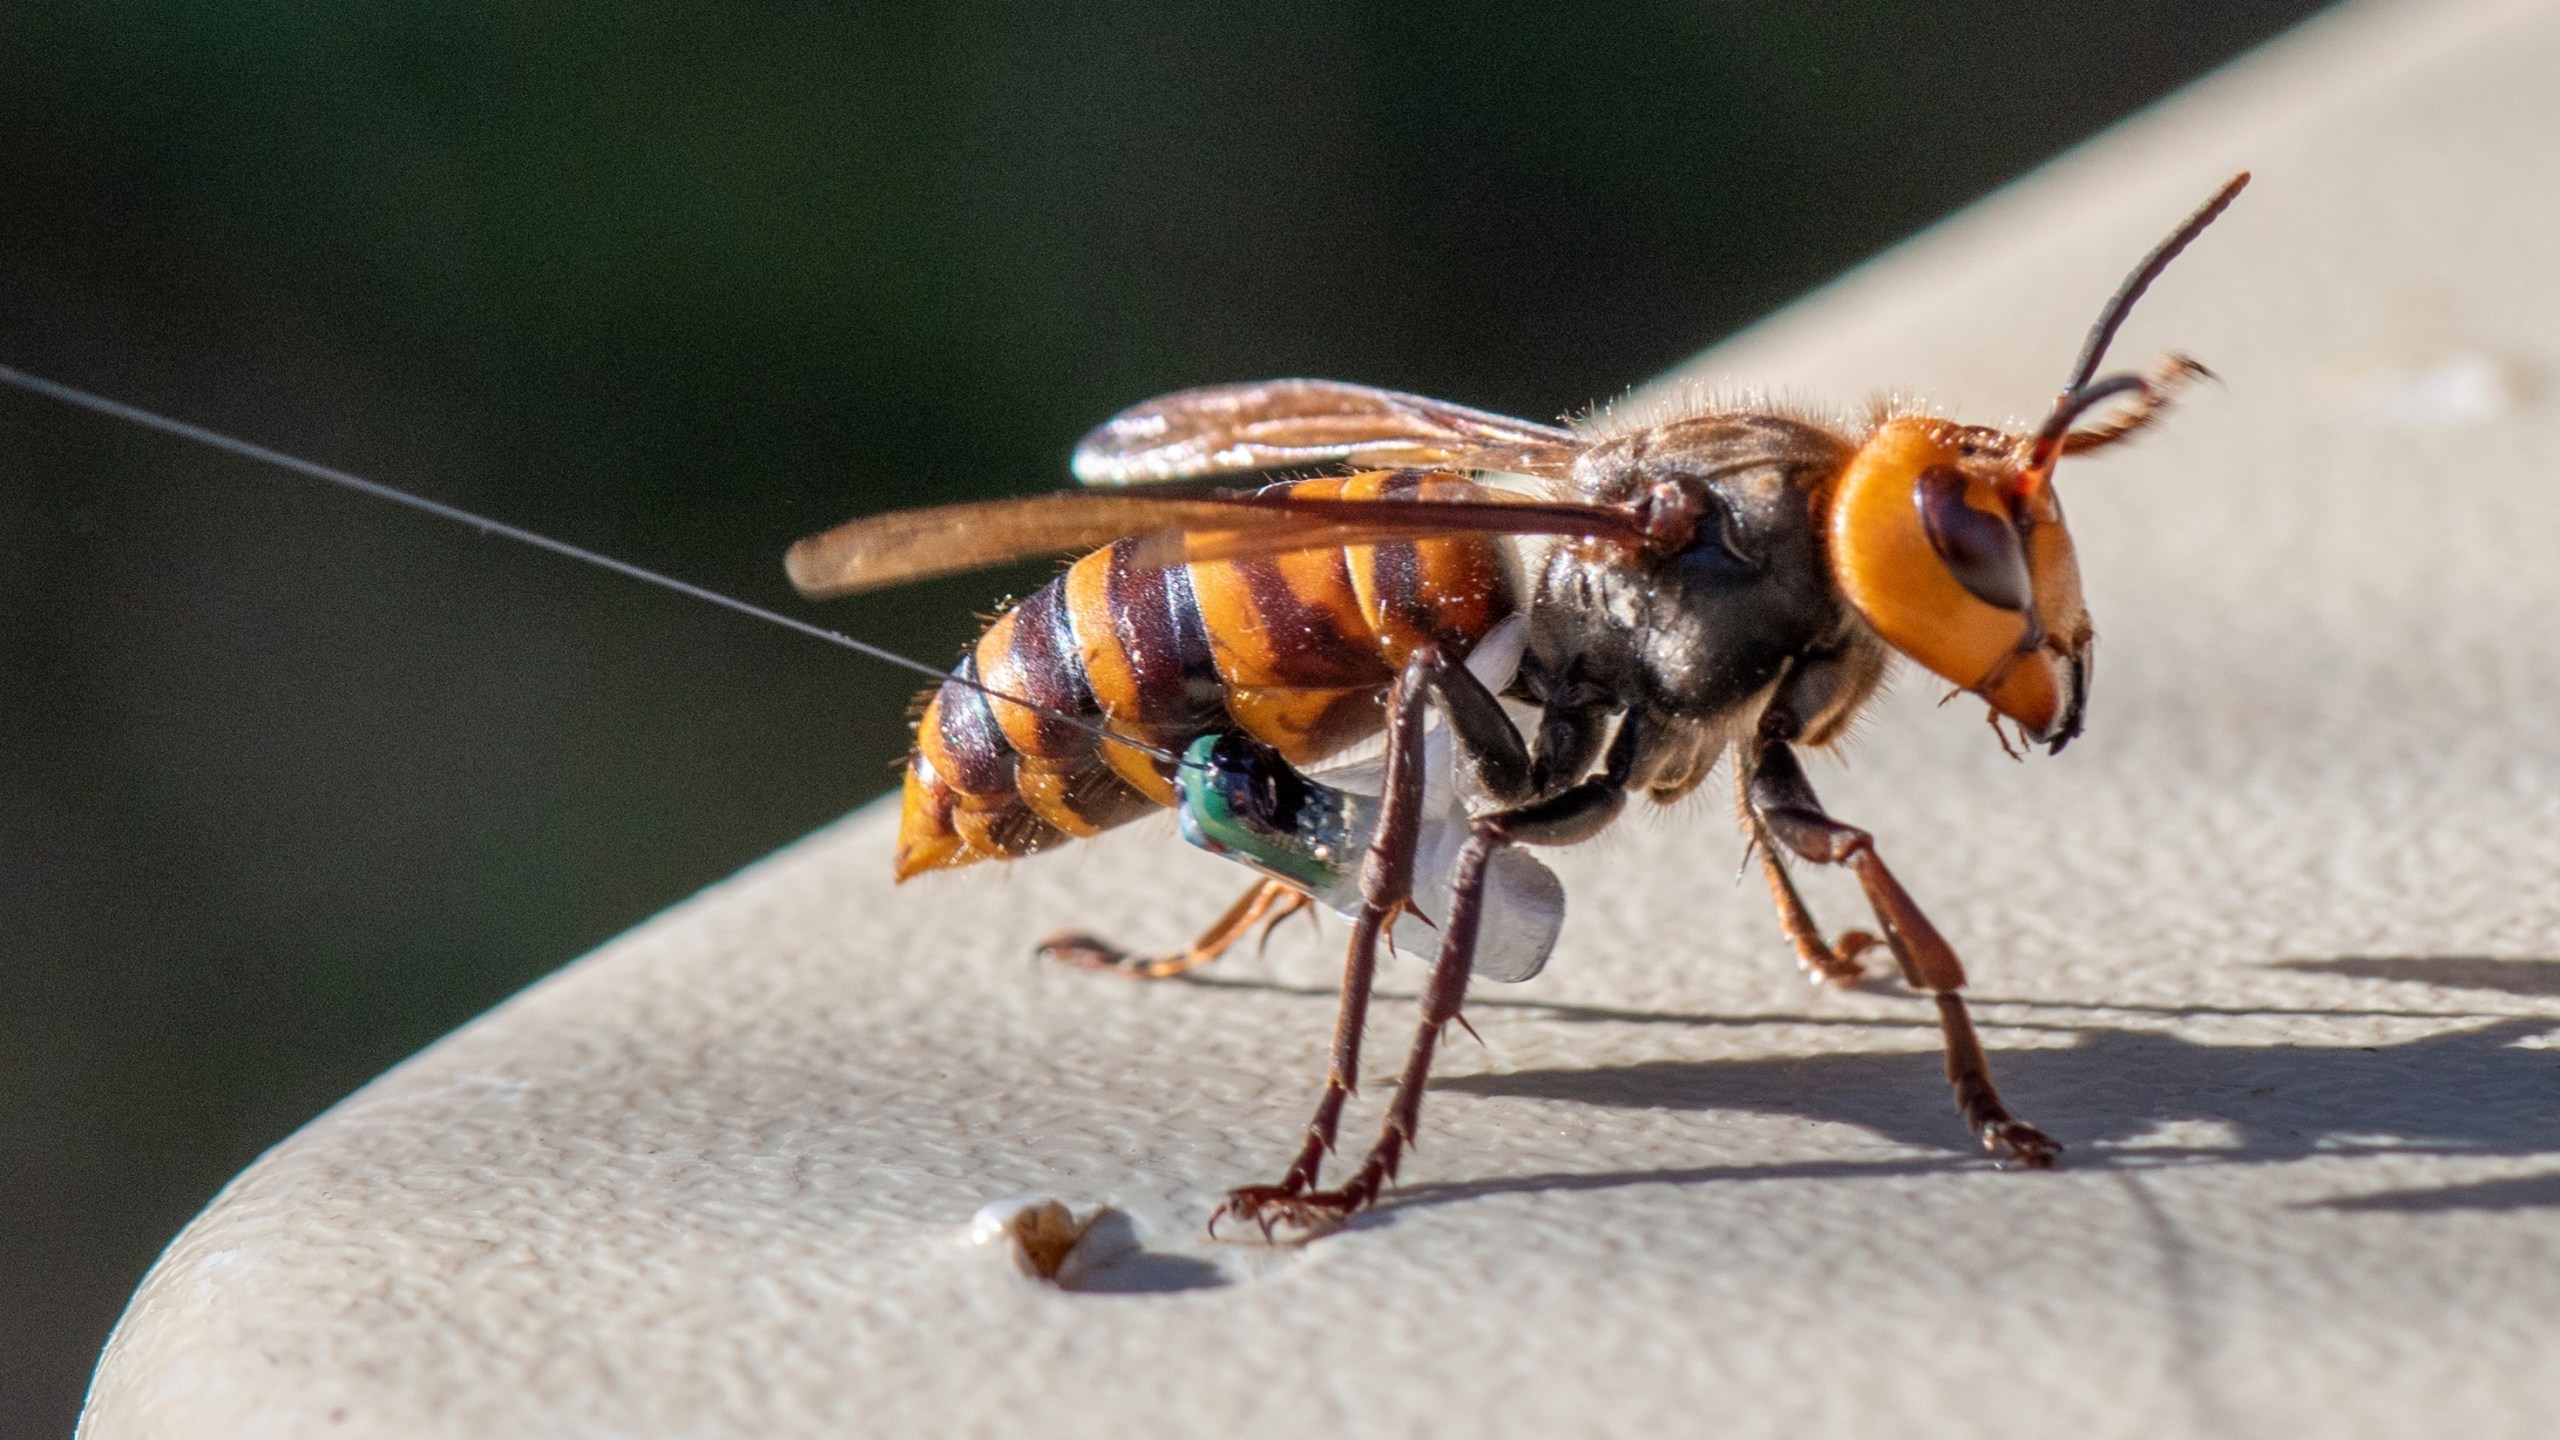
291,783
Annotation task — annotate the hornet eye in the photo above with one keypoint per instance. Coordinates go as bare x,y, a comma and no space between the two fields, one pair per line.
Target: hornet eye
1981,551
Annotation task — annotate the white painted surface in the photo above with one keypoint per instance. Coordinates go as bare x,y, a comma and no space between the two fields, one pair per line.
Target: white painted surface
2272,949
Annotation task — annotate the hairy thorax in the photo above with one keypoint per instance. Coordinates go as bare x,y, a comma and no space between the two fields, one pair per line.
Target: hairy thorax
1699,642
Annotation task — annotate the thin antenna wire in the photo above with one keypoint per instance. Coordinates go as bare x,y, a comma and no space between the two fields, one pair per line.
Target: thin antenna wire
99,404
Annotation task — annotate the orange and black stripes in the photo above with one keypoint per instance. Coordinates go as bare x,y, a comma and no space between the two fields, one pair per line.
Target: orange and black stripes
1297,649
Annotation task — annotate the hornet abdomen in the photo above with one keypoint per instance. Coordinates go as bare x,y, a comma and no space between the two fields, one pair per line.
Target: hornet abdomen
1297,650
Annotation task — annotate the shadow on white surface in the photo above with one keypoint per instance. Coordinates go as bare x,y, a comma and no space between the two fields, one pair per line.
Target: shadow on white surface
2470,1091
2522,1192
2459,972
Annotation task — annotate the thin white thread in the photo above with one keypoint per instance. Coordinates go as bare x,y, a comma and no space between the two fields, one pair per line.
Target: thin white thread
249,450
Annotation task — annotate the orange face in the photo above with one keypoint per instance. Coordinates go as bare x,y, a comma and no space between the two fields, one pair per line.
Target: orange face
1960,566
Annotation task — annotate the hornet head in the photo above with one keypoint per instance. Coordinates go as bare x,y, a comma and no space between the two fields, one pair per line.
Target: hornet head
1949,538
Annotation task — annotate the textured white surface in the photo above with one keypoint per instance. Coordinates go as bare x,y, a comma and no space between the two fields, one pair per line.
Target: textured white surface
2271,949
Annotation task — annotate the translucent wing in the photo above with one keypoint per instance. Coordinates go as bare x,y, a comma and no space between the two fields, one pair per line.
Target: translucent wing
1284,424
909,545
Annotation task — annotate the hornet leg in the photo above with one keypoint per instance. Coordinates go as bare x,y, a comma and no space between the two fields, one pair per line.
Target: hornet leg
1501,760
1267,903
1782,803
1572,814
1825,962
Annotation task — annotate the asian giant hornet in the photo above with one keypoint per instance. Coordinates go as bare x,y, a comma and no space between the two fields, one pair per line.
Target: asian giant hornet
1728,580
1725,580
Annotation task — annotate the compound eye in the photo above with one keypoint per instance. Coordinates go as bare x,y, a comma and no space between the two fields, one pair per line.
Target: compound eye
1981,551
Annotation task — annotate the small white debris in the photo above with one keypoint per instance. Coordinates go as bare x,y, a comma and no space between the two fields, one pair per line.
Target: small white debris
1046,1240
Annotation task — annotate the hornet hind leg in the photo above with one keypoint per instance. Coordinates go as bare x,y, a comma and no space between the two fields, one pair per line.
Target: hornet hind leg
1574,813
1267,903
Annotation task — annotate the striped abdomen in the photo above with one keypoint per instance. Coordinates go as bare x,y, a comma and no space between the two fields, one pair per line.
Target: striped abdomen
1297,650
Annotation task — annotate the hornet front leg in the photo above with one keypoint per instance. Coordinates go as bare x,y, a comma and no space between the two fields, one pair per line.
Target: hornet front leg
1825,962
1781,803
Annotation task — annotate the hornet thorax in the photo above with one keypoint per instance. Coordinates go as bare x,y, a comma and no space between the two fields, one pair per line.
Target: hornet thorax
1691,641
